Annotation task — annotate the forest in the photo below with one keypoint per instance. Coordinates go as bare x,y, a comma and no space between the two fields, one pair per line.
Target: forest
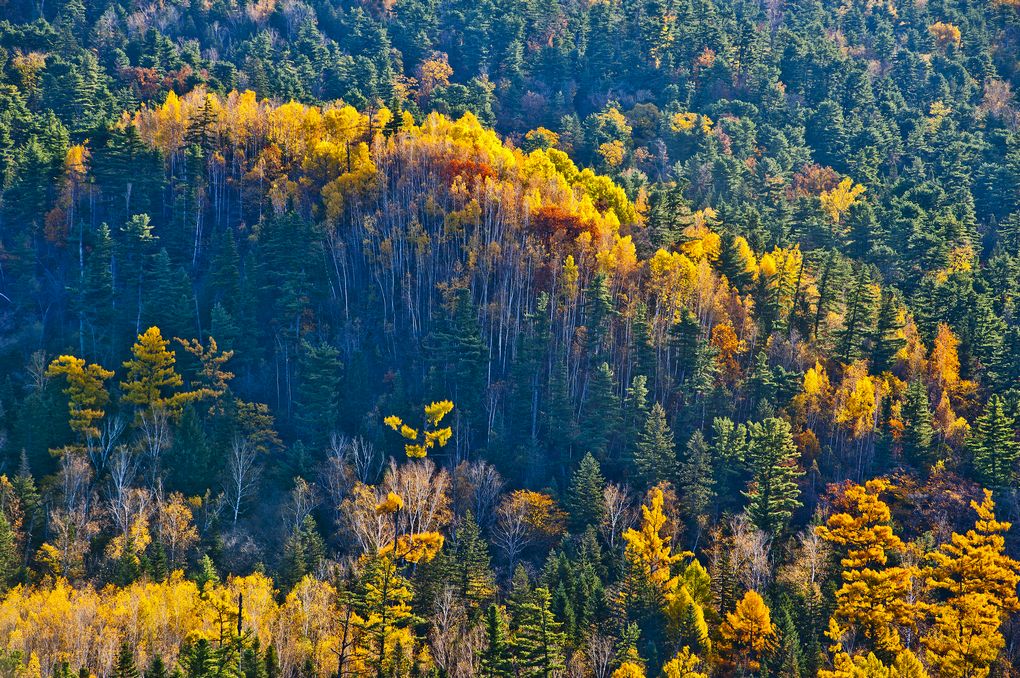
509,338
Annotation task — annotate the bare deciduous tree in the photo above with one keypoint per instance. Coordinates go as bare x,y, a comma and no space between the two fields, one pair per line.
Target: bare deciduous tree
242,475
619,513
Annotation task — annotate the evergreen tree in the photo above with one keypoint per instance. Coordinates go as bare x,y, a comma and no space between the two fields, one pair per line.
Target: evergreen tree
600,417
696,482
773,493
9,558
125,665
886,341
655,455
494,660
584,497
318,392
917,425
860,299
157,668
472,571
993,445
537,640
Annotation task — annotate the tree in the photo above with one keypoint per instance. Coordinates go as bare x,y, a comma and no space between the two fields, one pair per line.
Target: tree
976,584
125,666
584,497
874,599
9,557
655,455
917,425
86,392
648,550
857,316
318,392
537,640
748,635
993,445
152,379
696,482
773,492
495,658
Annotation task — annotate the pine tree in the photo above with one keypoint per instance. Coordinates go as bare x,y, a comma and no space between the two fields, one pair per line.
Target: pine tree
125,665
584,497
917,425
537,639
993,445
860,302
600,416
318,392
9,559
157,668
494,660
886,339
772,457
599,313
472,570
729,450
655,454
695,481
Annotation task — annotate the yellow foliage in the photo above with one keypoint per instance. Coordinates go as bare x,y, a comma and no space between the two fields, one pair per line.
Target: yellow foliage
875,598
945,34
86,391
391,504
629,670
684,665
840,199
748,633
686,122
976,584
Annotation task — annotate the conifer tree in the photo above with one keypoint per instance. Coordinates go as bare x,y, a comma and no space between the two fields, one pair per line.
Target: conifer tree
9,559
600,417
584,497
873,600
887,340
772,458
125,666
976,585
696,482
472,570
537,639
993,445
655,454
917,425
495,658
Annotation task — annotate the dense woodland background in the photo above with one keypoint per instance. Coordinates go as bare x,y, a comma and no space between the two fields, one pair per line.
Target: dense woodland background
509,338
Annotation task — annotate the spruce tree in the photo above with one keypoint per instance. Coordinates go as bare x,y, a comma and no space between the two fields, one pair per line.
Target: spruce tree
9,559
655,455
474,577
584,498
125,665
537,641
886,341
318,392
600,416
156,668
917,425
696,482
993,445
495,658
860,301
772,457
